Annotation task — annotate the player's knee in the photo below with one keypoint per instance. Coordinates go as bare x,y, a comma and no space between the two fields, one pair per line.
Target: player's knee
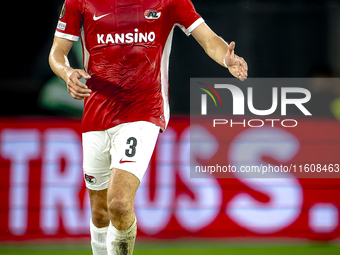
119,208
100,217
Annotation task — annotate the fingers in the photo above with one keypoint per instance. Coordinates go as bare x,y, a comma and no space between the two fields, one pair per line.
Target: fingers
82,74
76,82
230,58
231,47
237,66
77,89
239,69
243,68
78,92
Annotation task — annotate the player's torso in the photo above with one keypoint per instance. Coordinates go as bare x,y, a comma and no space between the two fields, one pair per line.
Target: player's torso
124,33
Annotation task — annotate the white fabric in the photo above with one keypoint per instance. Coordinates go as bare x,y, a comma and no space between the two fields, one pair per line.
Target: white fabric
114,148
194,25
98,239
66,36
224,63
121,241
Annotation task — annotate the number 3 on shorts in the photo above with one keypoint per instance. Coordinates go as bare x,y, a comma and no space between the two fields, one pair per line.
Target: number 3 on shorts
132,141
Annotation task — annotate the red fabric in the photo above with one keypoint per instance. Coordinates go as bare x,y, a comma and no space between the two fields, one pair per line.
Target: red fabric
124,42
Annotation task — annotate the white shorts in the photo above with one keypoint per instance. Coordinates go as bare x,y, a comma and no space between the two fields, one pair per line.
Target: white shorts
128,147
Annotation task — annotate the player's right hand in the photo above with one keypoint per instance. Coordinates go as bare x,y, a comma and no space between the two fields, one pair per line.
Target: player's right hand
75,88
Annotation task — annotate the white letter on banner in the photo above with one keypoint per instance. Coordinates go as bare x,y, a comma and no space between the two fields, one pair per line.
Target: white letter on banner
60,189
284,191
194,215
153,216
19,146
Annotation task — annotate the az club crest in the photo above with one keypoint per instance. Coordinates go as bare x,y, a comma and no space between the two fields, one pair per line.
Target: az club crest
150,14
90,179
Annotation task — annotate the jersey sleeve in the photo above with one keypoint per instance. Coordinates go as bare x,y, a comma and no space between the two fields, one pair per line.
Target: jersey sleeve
70,21
183,14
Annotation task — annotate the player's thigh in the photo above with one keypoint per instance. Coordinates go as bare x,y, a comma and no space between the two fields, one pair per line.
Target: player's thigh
96,159
96,167
122,190
133,146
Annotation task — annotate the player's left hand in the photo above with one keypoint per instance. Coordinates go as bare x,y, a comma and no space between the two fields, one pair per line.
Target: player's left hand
236,65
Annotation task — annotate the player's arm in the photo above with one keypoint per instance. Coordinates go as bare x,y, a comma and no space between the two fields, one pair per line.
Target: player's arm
220,51
60,66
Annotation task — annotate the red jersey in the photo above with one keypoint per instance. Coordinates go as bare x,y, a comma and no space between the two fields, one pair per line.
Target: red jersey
126,48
